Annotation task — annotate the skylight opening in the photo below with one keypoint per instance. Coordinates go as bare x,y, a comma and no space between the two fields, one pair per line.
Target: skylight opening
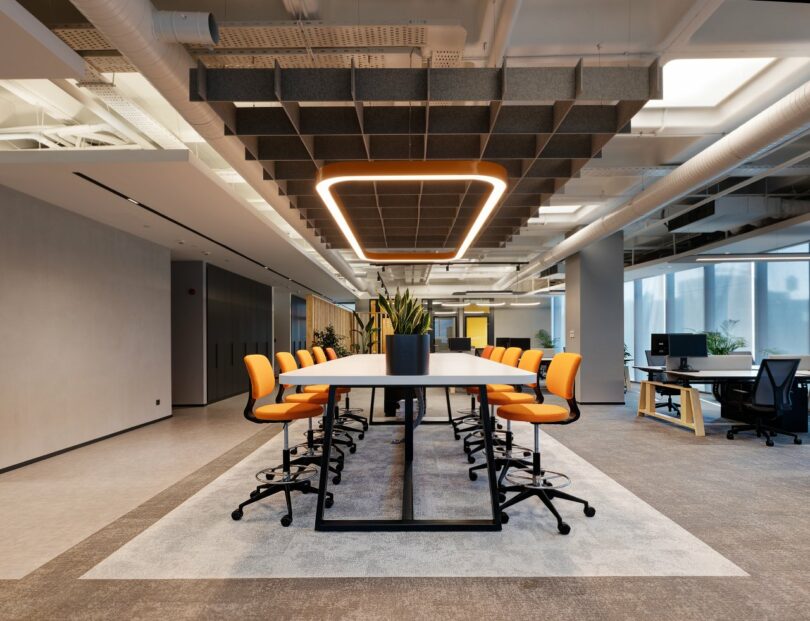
705,82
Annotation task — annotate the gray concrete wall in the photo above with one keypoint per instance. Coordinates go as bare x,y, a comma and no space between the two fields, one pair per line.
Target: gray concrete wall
85,329
594,318
522,322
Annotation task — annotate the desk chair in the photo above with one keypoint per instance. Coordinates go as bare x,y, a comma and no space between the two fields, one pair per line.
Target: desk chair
341,420
661,361
770,397
330,354
292,474
504,459
347,411
474,440
536,481
468,416
314,439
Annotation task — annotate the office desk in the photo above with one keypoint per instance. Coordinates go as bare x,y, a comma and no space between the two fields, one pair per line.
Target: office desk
368,370
724,381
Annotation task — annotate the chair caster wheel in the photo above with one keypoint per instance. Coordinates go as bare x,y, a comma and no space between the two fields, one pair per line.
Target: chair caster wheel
768,442
470,459
797,440
237,515
254,493
473,476
527,453
365,426
563,528
361,436
328,502
589,511
730,435
352,449
504,518
286,521
457,438
501,497
339,467
293,451
336,480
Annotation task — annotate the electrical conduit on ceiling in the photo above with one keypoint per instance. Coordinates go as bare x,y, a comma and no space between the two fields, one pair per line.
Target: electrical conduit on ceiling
783,121
130,27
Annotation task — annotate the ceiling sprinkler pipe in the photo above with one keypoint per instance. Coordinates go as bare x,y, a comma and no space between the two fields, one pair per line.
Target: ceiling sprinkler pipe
198,28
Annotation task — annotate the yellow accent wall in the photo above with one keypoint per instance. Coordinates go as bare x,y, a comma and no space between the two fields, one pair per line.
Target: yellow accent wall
476,329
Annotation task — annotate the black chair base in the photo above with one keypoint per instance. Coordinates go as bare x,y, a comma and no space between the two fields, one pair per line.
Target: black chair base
546,496
268,489
762,429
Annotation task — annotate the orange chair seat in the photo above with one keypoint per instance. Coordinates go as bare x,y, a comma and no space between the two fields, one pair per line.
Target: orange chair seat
321,398
325,388
534,413
509,398
287,411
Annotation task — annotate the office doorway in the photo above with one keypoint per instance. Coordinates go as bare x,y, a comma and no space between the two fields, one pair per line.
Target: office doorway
298,323
477,329
444,328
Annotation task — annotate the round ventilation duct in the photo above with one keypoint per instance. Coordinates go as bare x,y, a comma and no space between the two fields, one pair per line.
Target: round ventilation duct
302,9
198,28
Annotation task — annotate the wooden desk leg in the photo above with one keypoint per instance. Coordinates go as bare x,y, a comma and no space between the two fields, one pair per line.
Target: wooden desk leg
694,410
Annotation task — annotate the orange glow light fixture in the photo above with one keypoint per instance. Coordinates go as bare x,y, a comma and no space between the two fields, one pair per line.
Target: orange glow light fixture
381,171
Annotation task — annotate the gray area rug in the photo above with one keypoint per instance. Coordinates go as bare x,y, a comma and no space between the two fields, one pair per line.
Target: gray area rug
199,540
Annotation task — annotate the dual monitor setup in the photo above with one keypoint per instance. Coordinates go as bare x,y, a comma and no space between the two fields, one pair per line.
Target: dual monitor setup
683,345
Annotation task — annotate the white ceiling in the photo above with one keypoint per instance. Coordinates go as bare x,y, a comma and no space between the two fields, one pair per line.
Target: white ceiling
178,185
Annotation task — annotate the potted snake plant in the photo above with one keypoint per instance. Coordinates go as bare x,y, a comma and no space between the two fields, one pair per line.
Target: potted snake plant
407,350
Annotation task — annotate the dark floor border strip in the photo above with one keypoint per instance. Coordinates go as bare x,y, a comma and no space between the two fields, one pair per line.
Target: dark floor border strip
28,462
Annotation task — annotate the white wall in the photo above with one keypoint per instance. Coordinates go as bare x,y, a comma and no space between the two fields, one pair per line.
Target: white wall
85,329
522,322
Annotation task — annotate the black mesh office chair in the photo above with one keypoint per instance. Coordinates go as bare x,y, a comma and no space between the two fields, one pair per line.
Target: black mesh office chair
769,399
661,361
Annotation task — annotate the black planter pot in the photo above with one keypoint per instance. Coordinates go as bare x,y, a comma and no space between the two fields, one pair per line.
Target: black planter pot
407,354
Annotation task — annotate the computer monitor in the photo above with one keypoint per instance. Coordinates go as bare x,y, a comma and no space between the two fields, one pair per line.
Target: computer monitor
659,345
459,344
687,345
502,341
521,342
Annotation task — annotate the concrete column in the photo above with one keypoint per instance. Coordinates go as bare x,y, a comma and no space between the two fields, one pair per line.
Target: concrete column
594,319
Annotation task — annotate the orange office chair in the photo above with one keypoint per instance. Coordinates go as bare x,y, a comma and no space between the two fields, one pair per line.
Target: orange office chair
487,351
504,448
537,481
314,439
341,419
497,354
348,411
319,354
291,475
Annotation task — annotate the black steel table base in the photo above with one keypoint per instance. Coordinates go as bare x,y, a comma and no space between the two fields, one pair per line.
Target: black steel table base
407,522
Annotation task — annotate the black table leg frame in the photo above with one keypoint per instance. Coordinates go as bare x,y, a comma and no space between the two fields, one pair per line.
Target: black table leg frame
407,522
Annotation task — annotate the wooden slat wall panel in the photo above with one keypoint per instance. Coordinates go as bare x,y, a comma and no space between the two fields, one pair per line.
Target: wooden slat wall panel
321,313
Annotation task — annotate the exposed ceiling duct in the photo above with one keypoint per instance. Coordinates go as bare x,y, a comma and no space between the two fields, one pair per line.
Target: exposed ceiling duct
733,212
786,119
303,9
180,27
129,27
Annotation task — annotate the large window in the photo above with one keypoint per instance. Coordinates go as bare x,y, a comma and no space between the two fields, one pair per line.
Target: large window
765,303
558,321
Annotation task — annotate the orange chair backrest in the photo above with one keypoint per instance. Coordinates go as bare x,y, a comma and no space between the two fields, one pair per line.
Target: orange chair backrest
304,358
530,361
497,354
262,380
487,352
320,356
511,356
330,354
561,374
286,363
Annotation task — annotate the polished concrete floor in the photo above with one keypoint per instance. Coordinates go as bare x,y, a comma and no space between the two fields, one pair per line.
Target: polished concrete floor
746,501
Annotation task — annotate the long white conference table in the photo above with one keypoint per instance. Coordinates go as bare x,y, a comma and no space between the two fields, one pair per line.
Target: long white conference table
368,371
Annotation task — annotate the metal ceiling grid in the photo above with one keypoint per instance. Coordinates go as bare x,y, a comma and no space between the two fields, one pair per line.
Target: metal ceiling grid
543,124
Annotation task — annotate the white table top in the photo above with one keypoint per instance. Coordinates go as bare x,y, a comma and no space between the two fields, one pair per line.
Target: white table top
445,370
731,374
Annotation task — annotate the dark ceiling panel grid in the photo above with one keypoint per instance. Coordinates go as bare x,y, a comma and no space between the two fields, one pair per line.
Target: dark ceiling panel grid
543,124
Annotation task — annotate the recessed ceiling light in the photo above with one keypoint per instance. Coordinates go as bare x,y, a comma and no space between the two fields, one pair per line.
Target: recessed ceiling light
490,304
551,210
454,304
525,303
705,82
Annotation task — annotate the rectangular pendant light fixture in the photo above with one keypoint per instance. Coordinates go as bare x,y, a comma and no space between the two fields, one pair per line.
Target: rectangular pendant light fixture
333,175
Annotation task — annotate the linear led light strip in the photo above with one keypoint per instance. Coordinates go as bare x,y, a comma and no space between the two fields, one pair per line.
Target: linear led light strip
344,172
737,258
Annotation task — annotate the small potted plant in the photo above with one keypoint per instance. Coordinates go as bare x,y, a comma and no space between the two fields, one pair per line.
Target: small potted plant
407,350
